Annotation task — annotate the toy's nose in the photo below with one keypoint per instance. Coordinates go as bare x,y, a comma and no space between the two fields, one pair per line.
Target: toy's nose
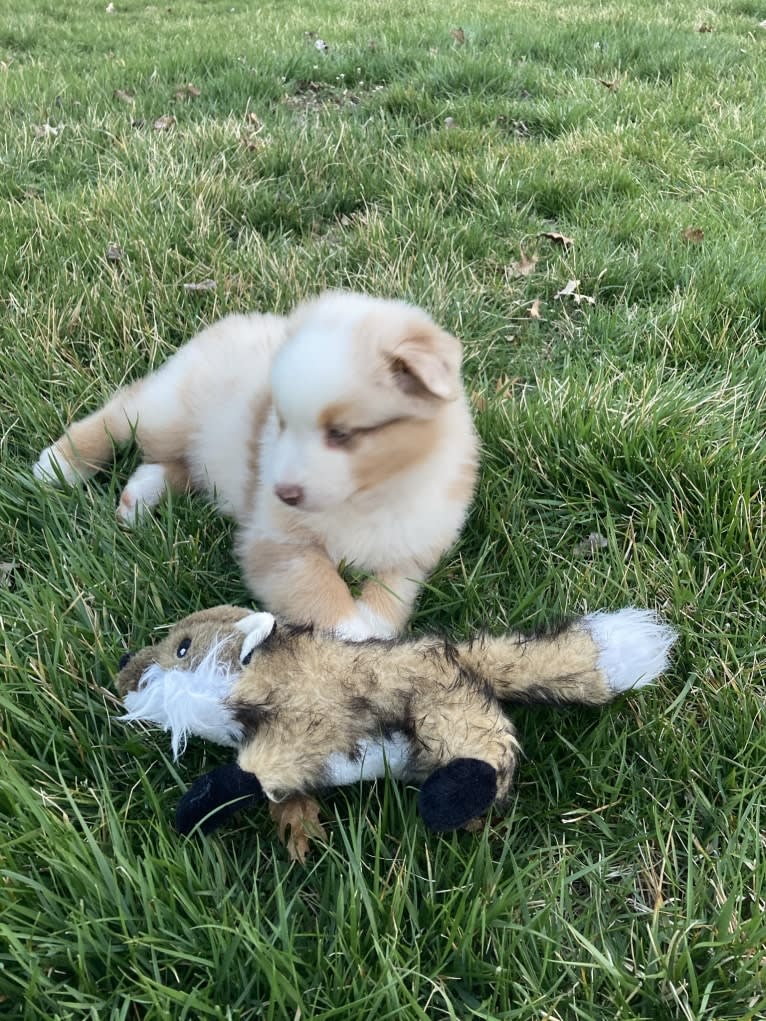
125,658
291,495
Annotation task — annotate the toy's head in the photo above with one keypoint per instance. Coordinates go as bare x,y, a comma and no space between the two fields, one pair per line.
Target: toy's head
228,633
184,682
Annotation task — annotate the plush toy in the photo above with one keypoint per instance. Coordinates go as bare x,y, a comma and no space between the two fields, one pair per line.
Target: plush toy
308,712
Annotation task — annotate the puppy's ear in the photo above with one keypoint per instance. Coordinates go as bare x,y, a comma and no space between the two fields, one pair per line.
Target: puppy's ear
256,628
427,364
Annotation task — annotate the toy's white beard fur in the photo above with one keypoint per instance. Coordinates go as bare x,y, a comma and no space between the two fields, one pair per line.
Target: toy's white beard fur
187,702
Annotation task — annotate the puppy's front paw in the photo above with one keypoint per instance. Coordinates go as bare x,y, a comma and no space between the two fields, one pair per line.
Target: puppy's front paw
364,625
53,467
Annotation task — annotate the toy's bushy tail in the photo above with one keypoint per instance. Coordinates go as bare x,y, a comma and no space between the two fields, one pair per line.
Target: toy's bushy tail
590,661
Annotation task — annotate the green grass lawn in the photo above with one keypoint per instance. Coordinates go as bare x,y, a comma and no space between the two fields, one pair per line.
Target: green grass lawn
628,878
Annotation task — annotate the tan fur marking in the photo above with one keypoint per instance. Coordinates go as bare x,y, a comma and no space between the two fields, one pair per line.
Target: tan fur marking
177,476
88,444
401,445
301,581
259,411
392,595
462,486
338,414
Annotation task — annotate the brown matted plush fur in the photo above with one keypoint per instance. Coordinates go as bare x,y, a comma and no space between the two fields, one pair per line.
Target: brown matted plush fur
308,711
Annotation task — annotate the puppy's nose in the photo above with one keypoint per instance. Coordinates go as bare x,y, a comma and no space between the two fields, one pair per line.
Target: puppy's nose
291,495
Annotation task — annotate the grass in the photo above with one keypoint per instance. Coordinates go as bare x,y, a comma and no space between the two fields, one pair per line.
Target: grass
628,879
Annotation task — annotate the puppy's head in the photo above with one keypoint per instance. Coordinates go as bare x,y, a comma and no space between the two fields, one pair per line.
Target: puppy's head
358,387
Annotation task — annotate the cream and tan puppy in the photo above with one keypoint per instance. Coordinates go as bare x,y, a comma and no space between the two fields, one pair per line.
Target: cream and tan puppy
341,433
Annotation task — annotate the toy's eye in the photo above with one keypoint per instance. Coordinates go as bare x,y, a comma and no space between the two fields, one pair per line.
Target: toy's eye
183,648
337,437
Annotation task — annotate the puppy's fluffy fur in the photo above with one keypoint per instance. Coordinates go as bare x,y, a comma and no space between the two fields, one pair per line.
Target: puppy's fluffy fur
341,433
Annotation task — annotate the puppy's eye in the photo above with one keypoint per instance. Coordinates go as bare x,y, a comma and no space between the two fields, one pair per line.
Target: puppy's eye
337,437
183,648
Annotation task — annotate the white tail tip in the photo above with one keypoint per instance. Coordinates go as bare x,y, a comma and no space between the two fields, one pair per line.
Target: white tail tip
634,646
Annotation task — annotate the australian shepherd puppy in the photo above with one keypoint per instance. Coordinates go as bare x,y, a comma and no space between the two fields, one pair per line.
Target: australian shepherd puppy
341,433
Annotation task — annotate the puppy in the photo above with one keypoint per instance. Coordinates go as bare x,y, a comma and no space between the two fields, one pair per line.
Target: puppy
341,433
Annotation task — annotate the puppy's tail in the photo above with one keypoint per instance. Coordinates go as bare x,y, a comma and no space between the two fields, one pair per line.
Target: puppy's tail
590,661
88,445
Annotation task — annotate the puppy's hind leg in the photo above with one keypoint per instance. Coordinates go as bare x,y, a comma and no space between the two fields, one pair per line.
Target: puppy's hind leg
87,444
147,486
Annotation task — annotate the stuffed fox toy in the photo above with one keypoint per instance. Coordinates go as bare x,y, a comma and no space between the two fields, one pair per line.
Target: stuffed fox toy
308,711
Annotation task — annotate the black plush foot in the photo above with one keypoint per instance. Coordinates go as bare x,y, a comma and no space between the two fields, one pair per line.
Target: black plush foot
216,797
457,793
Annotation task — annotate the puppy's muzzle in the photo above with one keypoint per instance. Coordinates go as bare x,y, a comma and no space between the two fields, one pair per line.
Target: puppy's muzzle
291,495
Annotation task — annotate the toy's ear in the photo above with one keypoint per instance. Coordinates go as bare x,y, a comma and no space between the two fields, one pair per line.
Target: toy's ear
256,628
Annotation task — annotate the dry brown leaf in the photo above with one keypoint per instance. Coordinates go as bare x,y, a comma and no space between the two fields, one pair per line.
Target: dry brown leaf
187,91
164,123
202,285
7,567
587,547
458,35
693,235
569,290
524,265
114,253
253,140
478,400
534,310
124,95
558,239
301,817
474,825
570,287
46,130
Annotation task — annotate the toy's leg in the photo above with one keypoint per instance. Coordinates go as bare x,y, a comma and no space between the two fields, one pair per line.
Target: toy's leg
297,822
455,794
474,750
215,797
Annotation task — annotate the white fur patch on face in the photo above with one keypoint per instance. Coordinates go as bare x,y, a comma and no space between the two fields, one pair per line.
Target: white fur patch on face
313,370
186,702
371,762
633,646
